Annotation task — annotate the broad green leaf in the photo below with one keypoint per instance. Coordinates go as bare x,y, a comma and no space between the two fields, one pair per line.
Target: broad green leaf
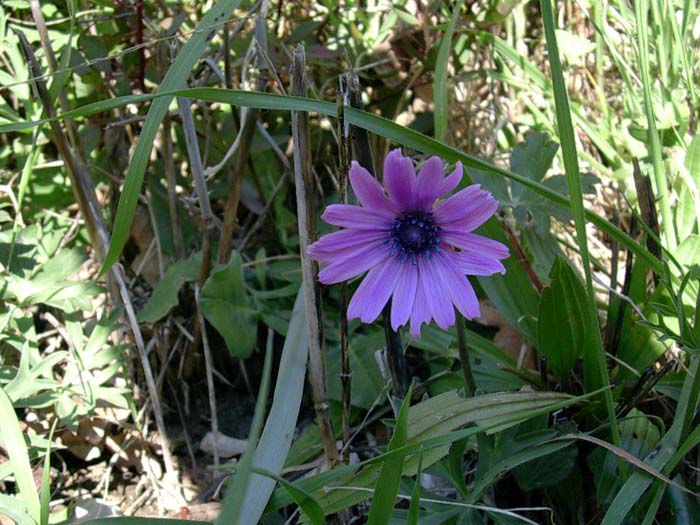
165,294
432,428
366,382
225,304
175,77
561,320
390,476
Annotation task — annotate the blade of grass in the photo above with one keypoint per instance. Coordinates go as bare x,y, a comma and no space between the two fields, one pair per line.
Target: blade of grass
306,501
175,77
595,369
365,120
390,476
414,507
13,441
641,8
45,491
441,99
236,494
279,429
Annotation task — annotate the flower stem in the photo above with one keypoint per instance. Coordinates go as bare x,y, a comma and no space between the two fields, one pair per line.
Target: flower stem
394,356
463,348
360,142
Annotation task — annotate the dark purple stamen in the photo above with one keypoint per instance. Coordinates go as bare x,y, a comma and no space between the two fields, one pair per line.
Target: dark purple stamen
414,235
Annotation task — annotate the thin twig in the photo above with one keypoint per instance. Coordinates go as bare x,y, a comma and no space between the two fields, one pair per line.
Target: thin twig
210,376
305,210
248,120
263,213
117,272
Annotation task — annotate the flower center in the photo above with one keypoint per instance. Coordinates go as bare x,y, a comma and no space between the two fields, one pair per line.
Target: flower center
414,235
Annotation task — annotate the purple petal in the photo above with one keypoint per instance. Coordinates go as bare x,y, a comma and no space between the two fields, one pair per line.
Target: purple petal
349,216
374,292
473,243
353,262
477,264
452,180
404,295
466,210
400,180
420,313
458,286
330,246
430,272
369,192
429,183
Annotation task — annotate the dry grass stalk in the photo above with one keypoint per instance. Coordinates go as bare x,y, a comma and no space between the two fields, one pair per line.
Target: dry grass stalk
303,178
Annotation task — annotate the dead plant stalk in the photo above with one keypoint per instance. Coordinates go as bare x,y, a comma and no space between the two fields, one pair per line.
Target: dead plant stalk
304,181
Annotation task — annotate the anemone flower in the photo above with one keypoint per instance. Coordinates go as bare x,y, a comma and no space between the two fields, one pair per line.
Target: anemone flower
417,244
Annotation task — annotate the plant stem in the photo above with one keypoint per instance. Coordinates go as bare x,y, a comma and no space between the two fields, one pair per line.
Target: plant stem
463,349
363,153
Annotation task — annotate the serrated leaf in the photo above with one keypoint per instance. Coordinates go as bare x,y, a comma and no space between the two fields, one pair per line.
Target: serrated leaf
226,305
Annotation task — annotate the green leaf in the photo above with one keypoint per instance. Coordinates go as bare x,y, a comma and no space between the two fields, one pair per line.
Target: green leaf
639,437
13,509
390,476
441,97
367,382
236,494
414,508
225,304
561,325
13,442
432,428
306,501
165,294
176,76
279,429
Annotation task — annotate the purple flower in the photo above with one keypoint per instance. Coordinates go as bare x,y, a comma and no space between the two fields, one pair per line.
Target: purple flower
418,249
